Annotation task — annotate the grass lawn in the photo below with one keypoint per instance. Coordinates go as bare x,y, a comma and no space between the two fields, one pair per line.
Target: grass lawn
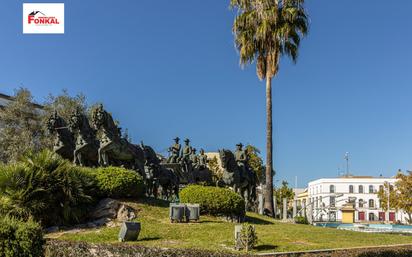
214,234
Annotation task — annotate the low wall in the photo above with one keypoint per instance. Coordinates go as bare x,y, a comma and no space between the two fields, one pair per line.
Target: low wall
58,248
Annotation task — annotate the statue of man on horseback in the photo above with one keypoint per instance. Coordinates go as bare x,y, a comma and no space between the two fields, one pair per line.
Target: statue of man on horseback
63,143
86,145
115,150
237,174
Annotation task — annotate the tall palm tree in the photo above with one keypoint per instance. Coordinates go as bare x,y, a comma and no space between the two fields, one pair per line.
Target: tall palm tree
266,30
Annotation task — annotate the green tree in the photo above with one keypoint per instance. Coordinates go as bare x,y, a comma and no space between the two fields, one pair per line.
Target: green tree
400,197
255,162
21,130
383,197
214,166
265,31
65,104
283,192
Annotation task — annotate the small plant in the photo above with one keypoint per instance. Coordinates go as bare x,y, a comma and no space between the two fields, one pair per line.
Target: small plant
301,220
247,238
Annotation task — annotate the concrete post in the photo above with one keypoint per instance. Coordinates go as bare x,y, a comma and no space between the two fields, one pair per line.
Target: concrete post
303,213
261,201
285,208
275,206
294,208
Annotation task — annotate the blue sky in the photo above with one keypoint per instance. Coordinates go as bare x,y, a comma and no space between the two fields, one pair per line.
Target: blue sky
167,68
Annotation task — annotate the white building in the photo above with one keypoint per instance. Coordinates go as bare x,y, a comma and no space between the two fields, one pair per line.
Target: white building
327,196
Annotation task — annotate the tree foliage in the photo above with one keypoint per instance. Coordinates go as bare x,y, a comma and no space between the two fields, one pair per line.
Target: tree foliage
65,104
283,192
23,123
213,165
21,129
400,195
255,162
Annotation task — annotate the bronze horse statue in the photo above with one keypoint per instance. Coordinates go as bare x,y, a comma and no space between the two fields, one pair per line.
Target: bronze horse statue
157,176
63,143
86,144
115,150
243,183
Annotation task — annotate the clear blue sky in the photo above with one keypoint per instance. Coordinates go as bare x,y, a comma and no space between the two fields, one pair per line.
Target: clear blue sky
167,68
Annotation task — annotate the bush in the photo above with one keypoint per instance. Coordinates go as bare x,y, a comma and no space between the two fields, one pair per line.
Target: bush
301,220
214,200
118,182
18,238
47,188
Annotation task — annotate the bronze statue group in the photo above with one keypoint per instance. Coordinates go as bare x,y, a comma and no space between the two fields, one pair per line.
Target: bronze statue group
100,143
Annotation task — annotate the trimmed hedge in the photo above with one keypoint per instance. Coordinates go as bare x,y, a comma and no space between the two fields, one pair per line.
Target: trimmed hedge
118,182
214,200
82,249
18,238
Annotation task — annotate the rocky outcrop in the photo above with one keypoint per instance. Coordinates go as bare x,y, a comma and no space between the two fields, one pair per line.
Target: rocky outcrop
111,213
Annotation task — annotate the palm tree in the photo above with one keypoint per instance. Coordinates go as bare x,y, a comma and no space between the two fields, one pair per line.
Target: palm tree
265,31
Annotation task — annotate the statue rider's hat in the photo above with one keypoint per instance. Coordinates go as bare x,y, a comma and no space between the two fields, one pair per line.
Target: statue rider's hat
176,139
187,140
240,144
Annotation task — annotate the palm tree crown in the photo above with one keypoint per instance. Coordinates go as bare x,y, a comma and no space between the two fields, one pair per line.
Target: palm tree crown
265,30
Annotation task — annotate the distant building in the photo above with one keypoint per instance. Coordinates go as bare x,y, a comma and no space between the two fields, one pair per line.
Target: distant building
329,198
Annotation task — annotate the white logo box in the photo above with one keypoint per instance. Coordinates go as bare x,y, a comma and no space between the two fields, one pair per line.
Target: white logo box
43,18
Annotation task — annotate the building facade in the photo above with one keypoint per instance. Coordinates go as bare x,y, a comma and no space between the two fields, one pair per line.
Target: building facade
329,198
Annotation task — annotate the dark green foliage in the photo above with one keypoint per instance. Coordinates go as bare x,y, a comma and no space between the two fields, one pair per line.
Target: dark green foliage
118,182
81,249
214,200
47,188
18,238
301,220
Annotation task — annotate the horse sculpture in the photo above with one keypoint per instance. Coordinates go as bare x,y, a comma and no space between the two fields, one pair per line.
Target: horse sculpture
63,143
243,183
86,145
113,149
158,176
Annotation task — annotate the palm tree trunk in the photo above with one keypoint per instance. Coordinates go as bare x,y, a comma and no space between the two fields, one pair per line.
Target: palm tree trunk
269,148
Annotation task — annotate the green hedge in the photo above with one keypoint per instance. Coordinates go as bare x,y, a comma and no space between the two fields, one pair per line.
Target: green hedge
118,182
301,220
18,238
214,200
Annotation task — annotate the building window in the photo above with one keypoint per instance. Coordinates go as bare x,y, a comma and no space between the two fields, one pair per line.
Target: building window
360,203
381,188
331,189
332,201
371,203
371,189
360,189
371,216
351,189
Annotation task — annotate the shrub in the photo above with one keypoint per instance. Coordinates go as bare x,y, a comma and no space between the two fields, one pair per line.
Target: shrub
214,200
119,182
301,220
47,188
19,238
247,238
